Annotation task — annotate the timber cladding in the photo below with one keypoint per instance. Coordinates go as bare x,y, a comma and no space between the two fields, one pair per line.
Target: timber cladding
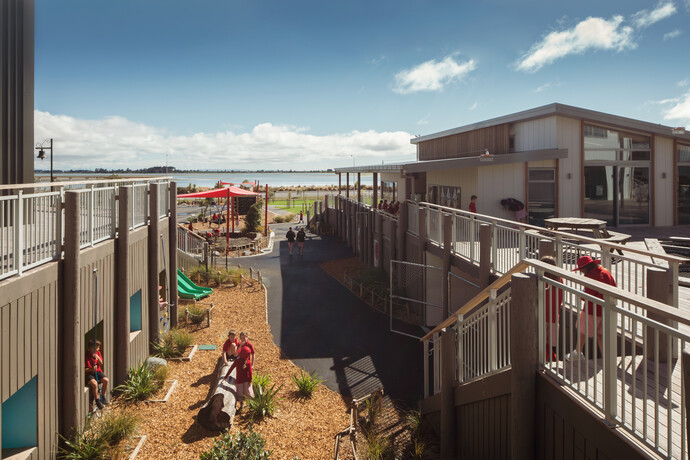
565,429
29,346
494,138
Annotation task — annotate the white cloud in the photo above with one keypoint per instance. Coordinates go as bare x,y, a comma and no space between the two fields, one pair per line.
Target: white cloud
115,142
680,111
432,75
473,106
588,35
672,34
644,18
684,83
546,86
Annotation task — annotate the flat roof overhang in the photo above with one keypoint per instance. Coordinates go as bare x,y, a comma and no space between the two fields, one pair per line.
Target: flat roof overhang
458,163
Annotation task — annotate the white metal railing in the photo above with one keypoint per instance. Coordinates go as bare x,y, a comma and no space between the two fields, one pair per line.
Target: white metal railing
139,205
412,217
483,344
515,241
189,242
637,380
32,219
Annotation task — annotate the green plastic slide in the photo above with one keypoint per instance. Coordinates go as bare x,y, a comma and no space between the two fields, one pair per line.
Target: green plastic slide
188,290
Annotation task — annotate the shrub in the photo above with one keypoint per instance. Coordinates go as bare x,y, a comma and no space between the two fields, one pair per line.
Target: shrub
252,220
306,382
172,344
84,444
114,428
261,382
197,314
141,383
264,403
377,446
240,446
286,218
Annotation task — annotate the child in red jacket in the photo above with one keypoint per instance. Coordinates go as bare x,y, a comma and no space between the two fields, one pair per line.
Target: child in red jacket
243,376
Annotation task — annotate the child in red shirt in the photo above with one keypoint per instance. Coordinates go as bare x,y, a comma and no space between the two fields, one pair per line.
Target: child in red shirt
244,342
243,375
230,347
94,373
473,203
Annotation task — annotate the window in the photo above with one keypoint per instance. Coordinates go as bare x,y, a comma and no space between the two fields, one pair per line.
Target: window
683,184
20,418
135,312
541,201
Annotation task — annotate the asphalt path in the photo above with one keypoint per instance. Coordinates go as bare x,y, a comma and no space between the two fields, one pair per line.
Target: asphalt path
321,326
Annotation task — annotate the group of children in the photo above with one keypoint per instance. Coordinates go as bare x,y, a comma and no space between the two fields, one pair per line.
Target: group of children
300,237
242,355
392,208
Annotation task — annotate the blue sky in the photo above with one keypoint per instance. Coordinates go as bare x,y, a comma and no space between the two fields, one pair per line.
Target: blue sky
313,84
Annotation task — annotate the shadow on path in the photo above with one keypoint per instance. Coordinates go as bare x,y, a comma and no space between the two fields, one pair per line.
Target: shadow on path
322,326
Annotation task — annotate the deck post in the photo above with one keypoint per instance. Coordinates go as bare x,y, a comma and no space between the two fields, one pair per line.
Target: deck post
172,257
659,288
122,319
153,269
685,373
359,187
401,232
485,235
447,243
525,363
375,201
422,234
448,432
70,340
547,248
347,185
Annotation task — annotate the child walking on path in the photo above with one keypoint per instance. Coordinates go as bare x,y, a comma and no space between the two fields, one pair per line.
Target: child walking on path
290,235
94,373
300,240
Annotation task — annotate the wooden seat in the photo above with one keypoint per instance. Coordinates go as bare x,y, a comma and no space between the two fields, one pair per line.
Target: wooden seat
618,238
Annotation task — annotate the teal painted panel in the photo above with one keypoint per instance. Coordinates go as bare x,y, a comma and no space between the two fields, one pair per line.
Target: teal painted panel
20,417
135,312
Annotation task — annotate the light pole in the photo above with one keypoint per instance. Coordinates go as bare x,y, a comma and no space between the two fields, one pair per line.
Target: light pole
42,154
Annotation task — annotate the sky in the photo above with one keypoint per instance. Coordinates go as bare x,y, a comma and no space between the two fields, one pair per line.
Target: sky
306,84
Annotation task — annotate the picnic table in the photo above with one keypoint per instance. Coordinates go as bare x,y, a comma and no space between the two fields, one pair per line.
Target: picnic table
596,226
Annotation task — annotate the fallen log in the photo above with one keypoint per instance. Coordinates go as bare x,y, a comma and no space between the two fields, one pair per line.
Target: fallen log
219,411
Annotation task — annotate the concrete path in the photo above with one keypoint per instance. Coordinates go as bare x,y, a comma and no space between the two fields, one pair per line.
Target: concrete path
322,326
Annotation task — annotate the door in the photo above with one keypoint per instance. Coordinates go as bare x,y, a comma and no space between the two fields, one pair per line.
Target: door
618,194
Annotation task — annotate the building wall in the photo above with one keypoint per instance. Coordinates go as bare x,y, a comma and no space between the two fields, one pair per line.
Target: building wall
97,304
663,191
570,189
137,278
29,345
466,178
17,89
536,134
498,182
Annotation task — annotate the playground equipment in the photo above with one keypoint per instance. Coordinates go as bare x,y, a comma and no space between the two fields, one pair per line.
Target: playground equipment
188,290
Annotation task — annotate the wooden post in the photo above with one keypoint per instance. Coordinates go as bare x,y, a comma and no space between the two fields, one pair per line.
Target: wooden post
172,257
485,236
448,431
71,345
659,288
153,268
375,202
685,372
525,363
266,213
347,185
447,243
359,187
122,319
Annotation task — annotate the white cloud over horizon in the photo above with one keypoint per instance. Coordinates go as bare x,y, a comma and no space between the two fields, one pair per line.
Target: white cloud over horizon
643,18
680,111
432,75
115,142
590,34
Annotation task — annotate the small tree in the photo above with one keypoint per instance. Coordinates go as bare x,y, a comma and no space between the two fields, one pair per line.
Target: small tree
253,220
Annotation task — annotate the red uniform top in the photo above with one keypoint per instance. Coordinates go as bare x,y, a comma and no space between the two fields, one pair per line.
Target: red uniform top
473,207
249,345
93,362
554,302
601,274
228,342
244,367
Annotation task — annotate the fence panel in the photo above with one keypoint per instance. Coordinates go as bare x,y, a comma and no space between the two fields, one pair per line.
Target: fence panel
139,205
412,218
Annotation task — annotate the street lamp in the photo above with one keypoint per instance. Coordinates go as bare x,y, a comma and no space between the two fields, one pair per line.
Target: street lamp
42,154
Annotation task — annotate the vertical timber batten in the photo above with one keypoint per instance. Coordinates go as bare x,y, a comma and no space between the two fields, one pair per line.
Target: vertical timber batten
122,319
153,252
172,256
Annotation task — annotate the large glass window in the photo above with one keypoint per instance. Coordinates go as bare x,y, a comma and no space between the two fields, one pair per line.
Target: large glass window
617,176
542,194
683,184
135,312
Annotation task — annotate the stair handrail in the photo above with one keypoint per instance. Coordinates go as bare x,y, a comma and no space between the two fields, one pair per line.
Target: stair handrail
476,300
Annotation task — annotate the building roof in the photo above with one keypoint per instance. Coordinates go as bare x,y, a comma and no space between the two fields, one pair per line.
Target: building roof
456,163
566,111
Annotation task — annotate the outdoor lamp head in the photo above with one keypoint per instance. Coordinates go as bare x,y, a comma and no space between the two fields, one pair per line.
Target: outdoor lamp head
41,154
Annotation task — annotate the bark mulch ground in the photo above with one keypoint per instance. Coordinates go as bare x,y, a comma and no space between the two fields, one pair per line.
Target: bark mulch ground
304,428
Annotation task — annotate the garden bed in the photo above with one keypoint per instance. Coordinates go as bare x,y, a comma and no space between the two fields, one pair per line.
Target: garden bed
165,391
187,355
